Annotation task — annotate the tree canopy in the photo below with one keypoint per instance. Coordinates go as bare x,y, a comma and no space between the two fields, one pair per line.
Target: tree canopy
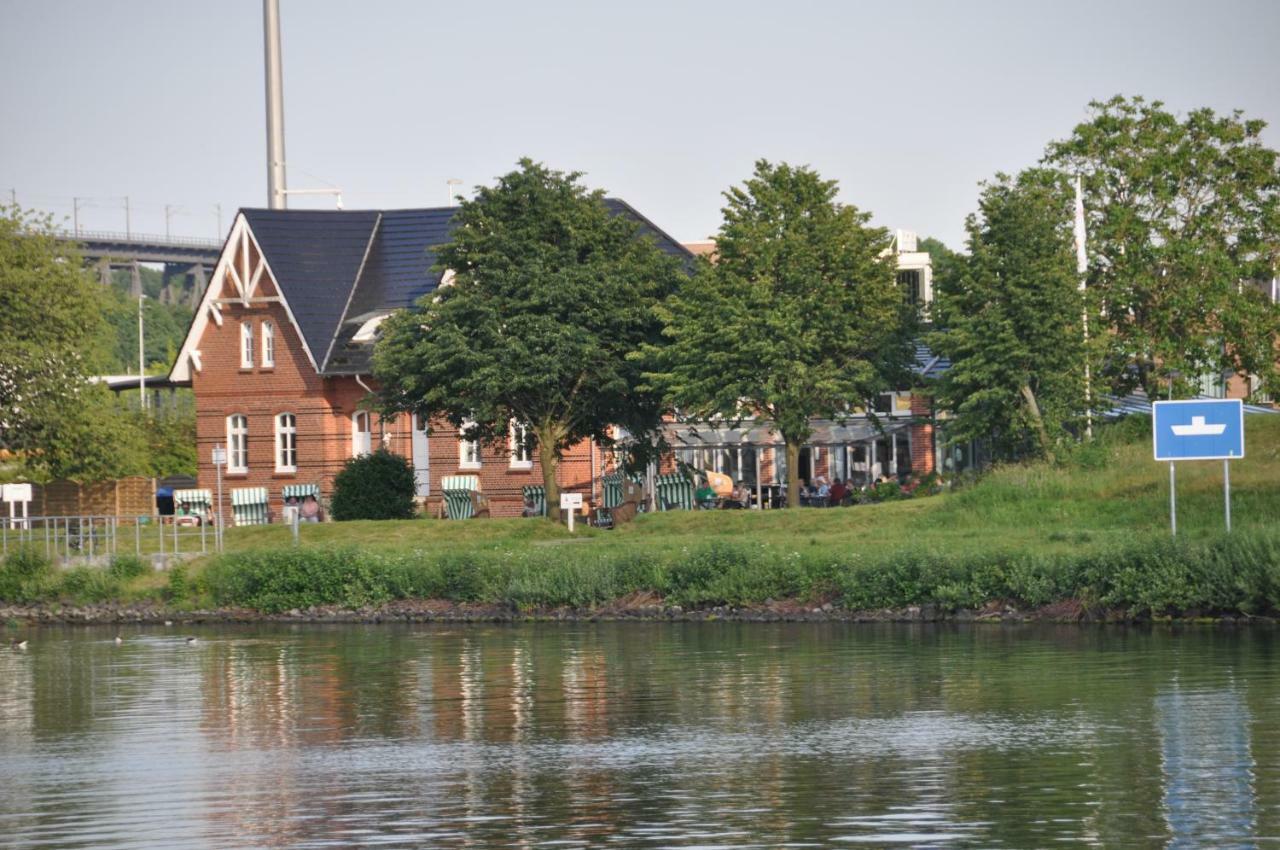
1013,327
52,336
1184,221
799,316
551,295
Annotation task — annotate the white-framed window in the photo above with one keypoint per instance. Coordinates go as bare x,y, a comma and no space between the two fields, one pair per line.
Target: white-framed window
361,433
246,345
237,443
268,344
521,443
468,450
286,443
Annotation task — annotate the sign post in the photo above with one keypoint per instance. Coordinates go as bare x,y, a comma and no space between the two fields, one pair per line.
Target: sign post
14,495
219,461
1198,429
570,502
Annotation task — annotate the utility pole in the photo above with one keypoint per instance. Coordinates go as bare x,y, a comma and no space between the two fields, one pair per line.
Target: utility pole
276,198
218,210
142,364
169,211
75,216
450,191
128,229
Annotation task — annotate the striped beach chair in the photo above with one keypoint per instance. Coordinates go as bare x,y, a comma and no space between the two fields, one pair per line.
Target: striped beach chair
299,493
674,492
462,498
249,505
616,487
537,494
194,502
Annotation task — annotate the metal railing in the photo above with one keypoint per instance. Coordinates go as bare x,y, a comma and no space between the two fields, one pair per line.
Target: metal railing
141,239
94,539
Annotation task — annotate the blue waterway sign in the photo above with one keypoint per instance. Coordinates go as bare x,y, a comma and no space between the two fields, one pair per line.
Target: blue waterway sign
1198,429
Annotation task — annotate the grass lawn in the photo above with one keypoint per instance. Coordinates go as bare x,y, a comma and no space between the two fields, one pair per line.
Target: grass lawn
1104,495
1092,531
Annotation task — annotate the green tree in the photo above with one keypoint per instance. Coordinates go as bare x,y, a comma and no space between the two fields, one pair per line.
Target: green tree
551,294
96,439
1183,214
48,309
799,316
1013,319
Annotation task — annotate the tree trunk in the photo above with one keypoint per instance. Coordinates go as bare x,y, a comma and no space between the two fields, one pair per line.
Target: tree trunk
549,460
793,473
1034,409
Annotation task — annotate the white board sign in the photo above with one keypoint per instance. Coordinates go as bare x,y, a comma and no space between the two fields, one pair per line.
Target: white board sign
219,456
570,501
17,492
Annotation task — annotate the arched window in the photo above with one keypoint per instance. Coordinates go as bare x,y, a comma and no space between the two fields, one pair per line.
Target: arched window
246,345
286,443
237,443
361,434
268,344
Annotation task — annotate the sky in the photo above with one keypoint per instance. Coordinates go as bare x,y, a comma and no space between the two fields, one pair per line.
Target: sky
909,105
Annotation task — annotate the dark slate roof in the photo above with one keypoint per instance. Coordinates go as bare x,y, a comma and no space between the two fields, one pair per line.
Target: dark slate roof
316,256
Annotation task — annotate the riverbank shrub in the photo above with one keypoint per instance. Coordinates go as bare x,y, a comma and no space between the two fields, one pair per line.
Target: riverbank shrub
26,575
125,567
1237,573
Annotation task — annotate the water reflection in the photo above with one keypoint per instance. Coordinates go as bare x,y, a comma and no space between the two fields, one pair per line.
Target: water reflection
1208,767
631,735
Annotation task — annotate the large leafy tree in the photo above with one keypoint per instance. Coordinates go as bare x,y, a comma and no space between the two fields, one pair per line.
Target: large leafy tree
52,336
1013,319
551,294
800,315
1184,218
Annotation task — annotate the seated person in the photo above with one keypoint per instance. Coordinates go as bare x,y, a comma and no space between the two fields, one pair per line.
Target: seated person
740,497
838,491
311,511
530,507
821,493
705,496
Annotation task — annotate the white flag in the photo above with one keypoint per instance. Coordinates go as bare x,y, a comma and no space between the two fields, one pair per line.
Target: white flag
1082,258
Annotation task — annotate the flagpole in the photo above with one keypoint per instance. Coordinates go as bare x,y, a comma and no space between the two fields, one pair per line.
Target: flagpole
1082,268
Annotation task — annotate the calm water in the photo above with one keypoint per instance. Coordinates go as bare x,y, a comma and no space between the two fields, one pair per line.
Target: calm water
638,735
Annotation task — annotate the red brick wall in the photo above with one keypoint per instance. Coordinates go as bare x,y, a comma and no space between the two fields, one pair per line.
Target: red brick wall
323,408
922,447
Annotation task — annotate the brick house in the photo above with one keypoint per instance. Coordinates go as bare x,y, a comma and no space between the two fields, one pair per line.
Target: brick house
278,356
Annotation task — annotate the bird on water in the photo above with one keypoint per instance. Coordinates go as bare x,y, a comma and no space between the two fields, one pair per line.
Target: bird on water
119,640
191,641
18,644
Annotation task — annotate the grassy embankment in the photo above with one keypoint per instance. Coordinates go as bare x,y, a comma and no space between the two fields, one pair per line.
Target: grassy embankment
1094,529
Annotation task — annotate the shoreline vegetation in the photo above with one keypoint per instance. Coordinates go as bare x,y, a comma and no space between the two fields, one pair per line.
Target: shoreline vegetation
1084,540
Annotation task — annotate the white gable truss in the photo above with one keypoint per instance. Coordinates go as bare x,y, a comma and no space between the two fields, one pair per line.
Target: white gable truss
237,267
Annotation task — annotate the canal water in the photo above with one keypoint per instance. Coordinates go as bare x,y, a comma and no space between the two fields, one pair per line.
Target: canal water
640,735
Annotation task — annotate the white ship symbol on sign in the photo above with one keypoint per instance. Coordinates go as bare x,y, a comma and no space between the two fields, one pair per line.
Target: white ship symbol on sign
1199,428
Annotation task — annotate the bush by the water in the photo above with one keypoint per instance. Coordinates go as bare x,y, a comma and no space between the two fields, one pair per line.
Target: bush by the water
26,576
1227,574
378,485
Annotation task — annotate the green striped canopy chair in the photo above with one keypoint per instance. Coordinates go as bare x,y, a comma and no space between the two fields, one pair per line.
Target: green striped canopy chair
614,494
299,493
249,505
462,498
192,502
674,492
535,500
